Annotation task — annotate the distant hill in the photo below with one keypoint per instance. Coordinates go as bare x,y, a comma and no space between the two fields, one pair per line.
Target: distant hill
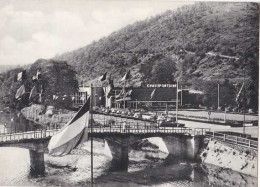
4,68
204,41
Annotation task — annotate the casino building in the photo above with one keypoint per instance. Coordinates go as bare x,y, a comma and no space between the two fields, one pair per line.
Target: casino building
152,96
136,97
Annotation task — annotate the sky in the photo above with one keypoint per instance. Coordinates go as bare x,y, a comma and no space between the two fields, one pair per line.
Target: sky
33,29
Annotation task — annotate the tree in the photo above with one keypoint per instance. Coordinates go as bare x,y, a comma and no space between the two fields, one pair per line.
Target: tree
163,71
58,78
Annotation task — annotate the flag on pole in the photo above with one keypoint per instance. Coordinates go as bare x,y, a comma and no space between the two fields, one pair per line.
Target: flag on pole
103,77
121,93
126,76
20,92
21,76
39,74
71,134
239,93
129,92
33,93
152,94
34,78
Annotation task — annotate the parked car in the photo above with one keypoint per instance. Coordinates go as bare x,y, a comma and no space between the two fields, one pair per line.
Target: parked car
137,115
130,113
161,118
168,124
113,110
107,111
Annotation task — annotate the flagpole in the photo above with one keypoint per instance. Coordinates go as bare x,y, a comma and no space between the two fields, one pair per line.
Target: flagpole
177,102
218,96
91,137
124,93
244,103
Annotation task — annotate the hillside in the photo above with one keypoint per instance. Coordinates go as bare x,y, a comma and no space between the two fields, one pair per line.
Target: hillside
204,41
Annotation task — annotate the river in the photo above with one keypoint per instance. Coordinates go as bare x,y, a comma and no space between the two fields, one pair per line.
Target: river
148,166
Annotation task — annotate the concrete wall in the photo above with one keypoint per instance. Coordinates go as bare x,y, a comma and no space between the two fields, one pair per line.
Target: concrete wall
36,151
37,163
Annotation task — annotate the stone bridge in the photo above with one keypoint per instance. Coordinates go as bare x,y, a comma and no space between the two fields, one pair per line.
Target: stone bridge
180,143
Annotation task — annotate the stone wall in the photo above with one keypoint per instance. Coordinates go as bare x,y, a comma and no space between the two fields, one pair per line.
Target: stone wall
227,156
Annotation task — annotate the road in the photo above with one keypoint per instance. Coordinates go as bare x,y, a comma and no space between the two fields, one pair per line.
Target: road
216,115
253,131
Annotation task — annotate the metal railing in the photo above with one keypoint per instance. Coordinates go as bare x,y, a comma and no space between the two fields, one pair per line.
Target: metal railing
135,130
244,142
38,134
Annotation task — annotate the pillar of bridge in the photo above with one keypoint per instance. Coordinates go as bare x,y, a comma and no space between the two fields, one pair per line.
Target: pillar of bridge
119,147
176,146
194,144
37,163
183,146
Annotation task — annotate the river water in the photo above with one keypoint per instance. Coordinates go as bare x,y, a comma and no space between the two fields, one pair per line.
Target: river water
148,166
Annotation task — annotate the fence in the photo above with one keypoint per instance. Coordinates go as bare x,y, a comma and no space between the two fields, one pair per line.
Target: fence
244,142
7,137
137,130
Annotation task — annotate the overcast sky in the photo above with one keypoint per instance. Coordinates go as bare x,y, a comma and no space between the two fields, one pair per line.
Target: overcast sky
33,29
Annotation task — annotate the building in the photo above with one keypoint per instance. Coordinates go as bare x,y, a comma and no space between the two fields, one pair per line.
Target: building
153,96
84,92
149,96
80,97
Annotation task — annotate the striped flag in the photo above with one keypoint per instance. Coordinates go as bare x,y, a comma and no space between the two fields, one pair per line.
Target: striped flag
20,92
33,93
71,134
21,76
38,74
152,94
239,93
103,77
126,76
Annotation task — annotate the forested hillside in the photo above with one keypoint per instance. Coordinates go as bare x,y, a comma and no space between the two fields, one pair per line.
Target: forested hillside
204,41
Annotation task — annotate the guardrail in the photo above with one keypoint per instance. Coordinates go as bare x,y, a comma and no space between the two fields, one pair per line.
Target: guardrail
135,130
39,134
244,142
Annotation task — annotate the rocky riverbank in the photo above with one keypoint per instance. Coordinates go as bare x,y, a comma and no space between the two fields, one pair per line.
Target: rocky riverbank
231,157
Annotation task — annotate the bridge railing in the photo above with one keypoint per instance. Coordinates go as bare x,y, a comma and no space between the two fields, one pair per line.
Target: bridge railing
244,142
7,137
142,130
201,131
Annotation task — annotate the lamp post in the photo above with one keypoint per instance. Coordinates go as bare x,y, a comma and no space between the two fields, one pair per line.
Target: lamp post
177,101
218,96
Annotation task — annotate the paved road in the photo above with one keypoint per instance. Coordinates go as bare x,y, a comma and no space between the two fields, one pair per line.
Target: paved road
217,115
253,131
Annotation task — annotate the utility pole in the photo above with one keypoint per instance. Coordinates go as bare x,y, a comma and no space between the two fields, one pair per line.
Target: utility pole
91,129
218,96
244,103
181,95
177,102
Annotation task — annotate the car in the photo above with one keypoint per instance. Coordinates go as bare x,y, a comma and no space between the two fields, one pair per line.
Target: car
113,110
137,115
161,118
146,116
124,113
130,113
168,124
170,118
107,111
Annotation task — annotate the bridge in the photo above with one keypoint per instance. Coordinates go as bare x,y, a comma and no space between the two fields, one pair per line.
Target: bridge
120,133
180,142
